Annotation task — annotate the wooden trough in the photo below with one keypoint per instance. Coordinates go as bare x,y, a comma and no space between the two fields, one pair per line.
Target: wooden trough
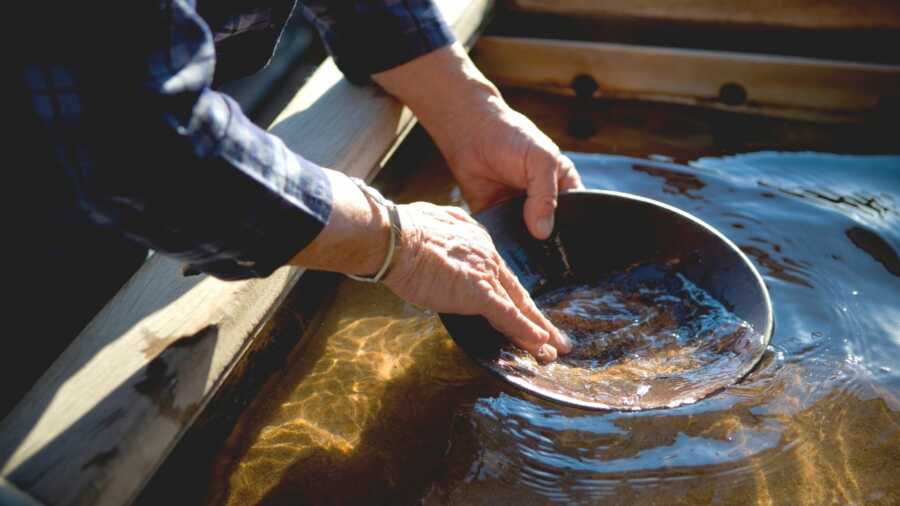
99,423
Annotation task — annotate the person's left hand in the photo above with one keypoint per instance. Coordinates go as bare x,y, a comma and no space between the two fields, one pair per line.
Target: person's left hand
501,153
493,151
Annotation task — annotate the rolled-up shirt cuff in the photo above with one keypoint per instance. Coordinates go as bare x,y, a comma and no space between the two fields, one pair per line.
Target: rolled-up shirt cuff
382,39
286,221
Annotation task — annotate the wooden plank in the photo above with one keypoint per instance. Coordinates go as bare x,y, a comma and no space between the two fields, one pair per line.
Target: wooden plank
684,133
824,14
101,420
801,88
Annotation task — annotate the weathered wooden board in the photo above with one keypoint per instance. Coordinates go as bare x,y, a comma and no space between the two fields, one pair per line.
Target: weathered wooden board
774,13
685,133
104,416
792,87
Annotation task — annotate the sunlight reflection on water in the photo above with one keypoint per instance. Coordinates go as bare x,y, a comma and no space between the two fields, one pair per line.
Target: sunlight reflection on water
380,407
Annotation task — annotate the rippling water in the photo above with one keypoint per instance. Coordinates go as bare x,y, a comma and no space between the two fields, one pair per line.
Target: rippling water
643,338
381,408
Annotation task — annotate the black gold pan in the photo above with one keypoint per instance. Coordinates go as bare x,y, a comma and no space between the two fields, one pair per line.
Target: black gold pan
599,232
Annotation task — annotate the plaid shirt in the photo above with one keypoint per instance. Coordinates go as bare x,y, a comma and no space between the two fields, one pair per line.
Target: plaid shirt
132,138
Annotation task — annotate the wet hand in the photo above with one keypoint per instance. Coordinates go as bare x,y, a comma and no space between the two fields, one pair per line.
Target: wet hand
501,153
493,151
448,263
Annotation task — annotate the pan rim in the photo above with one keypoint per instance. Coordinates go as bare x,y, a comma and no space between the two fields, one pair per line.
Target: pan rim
766,333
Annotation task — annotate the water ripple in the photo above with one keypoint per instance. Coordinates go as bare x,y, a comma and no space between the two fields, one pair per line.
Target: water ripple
380,408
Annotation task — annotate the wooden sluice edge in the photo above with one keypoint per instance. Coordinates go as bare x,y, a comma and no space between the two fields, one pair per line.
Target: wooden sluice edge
806,14
781,86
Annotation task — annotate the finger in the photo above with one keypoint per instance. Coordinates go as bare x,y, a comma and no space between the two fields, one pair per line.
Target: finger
541,200
525,303
504,316
568,178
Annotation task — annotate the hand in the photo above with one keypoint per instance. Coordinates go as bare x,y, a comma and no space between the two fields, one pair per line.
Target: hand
493,151
499,154
448,263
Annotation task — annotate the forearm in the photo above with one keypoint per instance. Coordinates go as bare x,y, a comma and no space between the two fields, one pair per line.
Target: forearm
355,240
444,89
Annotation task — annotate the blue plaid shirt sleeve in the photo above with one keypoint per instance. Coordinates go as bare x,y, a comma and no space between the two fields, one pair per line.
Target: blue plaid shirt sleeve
126,119
151,151
369,36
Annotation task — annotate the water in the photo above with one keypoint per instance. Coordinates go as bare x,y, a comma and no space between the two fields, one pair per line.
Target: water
379,407
643,338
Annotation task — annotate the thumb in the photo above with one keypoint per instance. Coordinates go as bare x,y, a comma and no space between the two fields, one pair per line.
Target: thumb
540,203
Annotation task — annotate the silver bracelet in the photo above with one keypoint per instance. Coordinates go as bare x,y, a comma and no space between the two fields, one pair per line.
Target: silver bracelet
394,217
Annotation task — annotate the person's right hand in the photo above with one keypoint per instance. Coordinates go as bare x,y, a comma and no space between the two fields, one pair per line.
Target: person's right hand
448,263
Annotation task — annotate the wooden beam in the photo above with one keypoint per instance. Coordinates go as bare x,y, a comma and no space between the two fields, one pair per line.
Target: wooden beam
100,421
800,88
684,133
815,14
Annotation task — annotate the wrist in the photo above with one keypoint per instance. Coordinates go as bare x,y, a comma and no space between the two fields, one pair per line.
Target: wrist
384,206
409,243
357,236
374,242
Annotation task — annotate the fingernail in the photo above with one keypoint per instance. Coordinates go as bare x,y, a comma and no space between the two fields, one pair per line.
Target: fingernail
545,226
565,342
546,353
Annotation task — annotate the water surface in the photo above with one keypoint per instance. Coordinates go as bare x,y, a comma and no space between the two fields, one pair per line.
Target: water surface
380,407
642,338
